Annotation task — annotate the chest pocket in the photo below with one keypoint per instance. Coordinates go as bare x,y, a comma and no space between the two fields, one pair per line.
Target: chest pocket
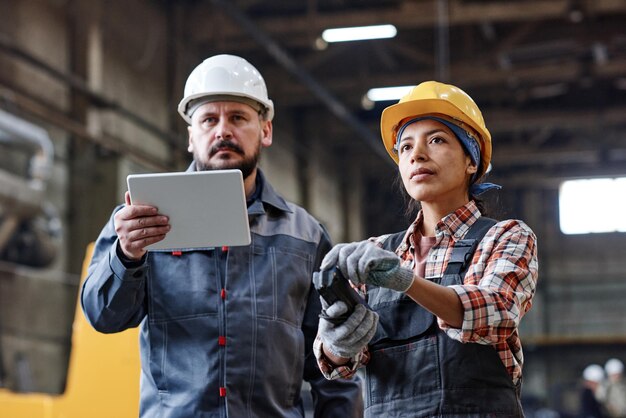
400,318
282,280
182,287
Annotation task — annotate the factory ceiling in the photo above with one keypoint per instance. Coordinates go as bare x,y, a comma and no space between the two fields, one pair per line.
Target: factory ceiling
549,75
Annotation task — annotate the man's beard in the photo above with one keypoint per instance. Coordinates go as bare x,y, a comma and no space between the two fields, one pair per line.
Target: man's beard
247,165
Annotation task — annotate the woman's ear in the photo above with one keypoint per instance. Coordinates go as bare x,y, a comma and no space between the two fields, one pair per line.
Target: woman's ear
471,168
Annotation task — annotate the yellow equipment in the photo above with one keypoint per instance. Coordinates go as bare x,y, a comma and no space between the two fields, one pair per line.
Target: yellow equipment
102,380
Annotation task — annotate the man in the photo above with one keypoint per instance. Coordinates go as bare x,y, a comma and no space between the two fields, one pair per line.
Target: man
590,407
612,392
225,332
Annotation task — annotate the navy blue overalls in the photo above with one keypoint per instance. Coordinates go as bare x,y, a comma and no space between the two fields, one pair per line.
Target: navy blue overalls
416,370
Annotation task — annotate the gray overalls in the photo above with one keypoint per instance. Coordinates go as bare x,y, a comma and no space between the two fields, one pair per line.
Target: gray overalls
416,370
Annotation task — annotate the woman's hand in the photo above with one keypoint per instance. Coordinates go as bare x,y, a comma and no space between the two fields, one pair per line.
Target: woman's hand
347,339
366,263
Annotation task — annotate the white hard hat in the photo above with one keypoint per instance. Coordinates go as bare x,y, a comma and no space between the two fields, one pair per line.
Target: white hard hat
594,373
225,77
614,366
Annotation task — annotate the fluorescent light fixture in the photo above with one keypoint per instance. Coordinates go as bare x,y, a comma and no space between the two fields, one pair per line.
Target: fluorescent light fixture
381,94
359,33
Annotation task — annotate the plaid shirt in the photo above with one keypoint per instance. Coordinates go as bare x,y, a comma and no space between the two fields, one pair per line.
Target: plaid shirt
496,292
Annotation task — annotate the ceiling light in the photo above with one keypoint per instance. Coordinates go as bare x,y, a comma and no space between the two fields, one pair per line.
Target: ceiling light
381,94
359,33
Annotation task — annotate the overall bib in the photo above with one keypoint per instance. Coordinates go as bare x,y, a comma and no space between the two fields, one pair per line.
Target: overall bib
416,370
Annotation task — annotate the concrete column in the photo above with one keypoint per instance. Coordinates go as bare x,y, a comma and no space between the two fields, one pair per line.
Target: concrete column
92,190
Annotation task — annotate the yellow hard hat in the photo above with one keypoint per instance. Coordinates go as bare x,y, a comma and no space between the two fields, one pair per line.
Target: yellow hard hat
438,99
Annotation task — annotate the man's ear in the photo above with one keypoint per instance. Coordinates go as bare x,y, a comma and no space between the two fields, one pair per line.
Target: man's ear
190,145
266,133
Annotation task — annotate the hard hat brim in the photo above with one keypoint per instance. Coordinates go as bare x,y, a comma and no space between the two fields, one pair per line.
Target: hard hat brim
182,106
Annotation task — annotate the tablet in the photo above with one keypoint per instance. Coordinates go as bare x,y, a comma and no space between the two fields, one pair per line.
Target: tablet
206,208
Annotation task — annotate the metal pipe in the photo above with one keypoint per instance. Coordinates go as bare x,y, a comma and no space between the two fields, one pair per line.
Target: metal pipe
336,107
19,131
8,225
24,221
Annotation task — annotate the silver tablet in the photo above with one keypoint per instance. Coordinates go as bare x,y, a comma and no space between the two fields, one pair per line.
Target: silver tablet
206,208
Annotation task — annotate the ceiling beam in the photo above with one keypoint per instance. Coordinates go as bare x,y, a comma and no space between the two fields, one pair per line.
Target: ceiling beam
469,75
284,59
408,15
508,121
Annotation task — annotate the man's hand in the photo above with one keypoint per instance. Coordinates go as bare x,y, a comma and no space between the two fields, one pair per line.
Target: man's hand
138,226
365,262
347,339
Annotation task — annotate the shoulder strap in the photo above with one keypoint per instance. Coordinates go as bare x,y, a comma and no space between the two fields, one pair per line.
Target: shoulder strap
393,241
464,249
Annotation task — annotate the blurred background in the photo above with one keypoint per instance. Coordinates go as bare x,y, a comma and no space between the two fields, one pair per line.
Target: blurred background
88,95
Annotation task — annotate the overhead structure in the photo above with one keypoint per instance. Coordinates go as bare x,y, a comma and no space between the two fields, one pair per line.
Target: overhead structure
277,52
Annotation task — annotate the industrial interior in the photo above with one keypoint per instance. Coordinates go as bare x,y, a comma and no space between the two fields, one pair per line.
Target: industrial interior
88,95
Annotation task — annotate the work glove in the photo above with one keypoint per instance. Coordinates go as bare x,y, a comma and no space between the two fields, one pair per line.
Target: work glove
366,263
348,338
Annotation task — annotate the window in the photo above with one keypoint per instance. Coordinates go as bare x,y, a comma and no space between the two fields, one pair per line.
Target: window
593,205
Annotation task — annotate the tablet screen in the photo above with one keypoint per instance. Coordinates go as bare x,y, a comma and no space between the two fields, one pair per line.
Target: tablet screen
206,208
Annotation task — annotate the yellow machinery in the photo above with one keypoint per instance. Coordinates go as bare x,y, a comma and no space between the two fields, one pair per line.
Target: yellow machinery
102,380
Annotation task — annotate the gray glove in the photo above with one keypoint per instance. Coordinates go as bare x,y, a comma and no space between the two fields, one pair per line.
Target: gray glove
365,262
348,338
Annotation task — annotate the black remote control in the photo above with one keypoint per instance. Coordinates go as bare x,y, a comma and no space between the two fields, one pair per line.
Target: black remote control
333,287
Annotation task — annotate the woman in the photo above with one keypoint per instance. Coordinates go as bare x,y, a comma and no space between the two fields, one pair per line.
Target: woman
446,296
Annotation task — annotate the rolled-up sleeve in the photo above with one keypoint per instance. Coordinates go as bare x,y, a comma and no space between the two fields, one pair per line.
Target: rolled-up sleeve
499,285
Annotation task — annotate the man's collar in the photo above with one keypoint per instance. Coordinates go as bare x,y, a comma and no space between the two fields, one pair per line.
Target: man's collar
268,194
192,166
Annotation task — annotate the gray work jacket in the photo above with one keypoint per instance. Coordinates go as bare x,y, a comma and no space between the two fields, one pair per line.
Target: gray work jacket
225,332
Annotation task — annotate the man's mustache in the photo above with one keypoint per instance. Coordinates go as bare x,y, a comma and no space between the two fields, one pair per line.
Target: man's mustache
225,145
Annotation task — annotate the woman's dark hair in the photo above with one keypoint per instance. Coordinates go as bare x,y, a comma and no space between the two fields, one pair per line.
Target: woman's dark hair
480,205
411,206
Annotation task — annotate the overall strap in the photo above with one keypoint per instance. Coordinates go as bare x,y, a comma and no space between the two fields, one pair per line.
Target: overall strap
463,250
393,241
